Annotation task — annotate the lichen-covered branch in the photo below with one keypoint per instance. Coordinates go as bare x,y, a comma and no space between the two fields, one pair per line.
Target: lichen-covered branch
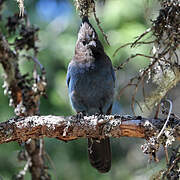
69,128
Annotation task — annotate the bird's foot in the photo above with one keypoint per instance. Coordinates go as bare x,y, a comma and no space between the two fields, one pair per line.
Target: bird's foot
79,116
100,119
99,115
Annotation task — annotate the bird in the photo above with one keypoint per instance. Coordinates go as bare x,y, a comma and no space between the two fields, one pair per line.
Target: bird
91,83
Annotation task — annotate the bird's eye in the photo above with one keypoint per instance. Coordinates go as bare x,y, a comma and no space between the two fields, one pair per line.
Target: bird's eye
84,42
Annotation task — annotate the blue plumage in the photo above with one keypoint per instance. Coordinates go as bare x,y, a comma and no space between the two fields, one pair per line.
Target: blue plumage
91,86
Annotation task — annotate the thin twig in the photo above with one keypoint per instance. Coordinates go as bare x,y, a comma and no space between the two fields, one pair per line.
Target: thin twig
124,45
176,160
127,44
140,37
129,84
143,91
133,98
140,79
138,105
36,61
131,57
170,110
177,58
22,173
52,164
98,24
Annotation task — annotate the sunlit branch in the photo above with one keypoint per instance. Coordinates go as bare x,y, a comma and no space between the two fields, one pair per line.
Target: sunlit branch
69,128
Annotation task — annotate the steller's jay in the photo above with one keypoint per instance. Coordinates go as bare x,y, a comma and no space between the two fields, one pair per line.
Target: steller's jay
91,81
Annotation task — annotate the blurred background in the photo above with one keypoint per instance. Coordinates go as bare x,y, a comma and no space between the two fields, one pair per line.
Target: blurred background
59,22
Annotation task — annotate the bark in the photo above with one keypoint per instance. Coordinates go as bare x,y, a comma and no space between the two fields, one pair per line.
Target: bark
69,128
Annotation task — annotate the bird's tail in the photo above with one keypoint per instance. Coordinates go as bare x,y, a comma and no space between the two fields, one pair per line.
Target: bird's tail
99,152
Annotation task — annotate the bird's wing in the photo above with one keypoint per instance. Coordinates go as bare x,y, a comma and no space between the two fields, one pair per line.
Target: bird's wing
68,75
108,60
113,74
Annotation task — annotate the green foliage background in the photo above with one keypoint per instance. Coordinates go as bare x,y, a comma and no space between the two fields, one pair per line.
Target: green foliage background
122,20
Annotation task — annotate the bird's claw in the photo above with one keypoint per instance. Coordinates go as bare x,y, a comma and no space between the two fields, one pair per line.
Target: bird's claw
79,116
101,119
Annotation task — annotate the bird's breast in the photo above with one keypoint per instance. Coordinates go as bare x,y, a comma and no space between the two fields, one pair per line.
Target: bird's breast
91,85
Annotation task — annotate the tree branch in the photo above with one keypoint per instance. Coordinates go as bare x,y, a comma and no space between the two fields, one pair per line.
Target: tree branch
69,128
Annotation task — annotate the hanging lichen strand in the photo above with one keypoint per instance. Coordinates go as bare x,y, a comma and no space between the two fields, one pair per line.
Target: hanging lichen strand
21,7
85,7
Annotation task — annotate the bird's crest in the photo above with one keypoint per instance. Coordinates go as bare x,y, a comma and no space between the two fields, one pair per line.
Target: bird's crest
88,46
86,32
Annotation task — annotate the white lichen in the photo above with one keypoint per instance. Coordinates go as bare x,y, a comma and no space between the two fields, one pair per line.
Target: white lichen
21,7
66,129
20,109
170,138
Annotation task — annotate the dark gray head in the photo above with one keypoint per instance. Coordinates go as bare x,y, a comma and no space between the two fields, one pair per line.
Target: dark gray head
88,38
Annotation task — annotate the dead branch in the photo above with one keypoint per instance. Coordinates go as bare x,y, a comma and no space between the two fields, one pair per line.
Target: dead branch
99,26
69,128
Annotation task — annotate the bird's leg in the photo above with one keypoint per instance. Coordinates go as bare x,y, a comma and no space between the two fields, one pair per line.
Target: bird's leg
80,115
101,119
109,111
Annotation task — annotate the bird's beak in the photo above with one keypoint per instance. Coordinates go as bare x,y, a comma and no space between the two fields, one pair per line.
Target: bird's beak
92,44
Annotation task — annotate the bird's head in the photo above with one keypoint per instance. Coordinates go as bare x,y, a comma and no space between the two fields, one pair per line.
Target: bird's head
87,36
88,44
